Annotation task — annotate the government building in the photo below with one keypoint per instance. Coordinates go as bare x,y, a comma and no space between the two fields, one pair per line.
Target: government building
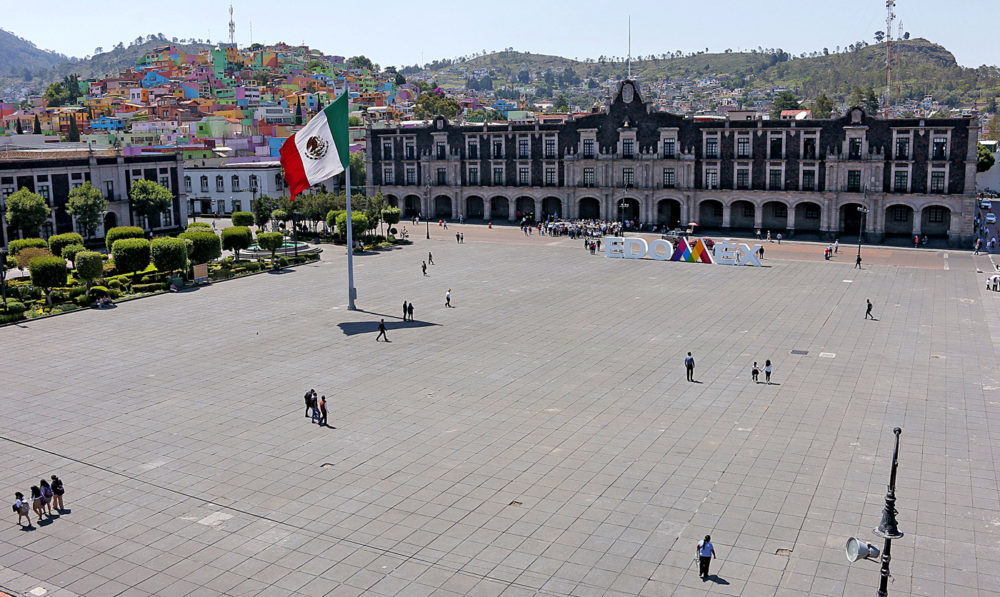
803,178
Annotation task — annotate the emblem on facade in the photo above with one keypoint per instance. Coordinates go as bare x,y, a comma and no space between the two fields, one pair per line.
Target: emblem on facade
316,147
628,93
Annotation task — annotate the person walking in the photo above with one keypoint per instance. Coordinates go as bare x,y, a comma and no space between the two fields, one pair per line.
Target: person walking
322,411
769,237
37,502
767,371
57,492
462,239
447,298
755,372
458,238
47,495
315,409
836,245
21,507
423,267
381,330
779,238
430,258
760,251
404,310
857,262
868,311
309,401
706,551
689,365
409,311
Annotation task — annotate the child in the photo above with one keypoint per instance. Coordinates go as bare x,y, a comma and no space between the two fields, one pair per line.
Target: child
755,372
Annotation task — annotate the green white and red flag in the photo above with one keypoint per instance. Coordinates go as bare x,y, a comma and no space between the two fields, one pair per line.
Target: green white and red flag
319,151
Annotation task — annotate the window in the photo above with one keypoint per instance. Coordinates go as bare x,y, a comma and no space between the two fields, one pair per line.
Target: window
498,149
903,148
523,148
628,177
742,178
669,178
219,184
628,149
809,149
442,153
742,147
712,148
387,176
711,178
669,148
854,149
442,176
187,184
411,176
168,217
550,149
43,190
939,149
550,177
900,214
588,148
774,179
410,151
900,180
937,182
253,183
473,151
854,181
498,176
524,176
588,177
808,180
237,205
204,184
387,151
775,152
236,184
812,211
7,192
165,182
935,214
474,176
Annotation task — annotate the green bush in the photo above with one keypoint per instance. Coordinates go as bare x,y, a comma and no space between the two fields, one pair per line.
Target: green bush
47,273
331,217
98,291
236,239
59,241
169,254
130,254
13,307
283,261
242,218
205,246
154,287
114,283
280,215
198,227
69,252
122,232
15,246
270,241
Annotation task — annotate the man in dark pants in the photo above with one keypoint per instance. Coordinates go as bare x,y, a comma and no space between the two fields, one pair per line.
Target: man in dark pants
322,411
409,311
857,262
423,267
868,311
381,331
689,365
706,551
404,310
309,401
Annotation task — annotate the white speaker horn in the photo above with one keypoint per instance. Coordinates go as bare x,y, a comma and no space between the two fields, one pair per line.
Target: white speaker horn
860,549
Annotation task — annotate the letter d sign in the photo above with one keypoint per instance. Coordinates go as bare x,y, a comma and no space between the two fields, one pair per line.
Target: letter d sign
635,248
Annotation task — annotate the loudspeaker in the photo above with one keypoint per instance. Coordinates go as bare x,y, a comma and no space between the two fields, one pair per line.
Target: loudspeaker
856,548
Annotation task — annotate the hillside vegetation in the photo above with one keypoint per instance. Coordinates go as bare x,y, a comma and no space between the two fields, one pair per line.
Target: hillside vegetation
20,57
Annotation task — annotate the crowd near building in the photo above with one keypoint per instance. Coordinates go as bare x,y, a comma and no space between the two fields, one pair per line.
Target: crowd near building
804,178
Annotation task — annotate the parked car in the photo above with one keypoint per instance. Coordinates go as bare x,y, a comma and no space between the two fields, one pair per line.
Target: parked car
991,218
986,204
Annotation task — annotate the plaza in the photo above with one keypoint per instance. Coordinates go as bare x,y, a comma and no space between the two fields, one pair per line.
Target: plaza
538,439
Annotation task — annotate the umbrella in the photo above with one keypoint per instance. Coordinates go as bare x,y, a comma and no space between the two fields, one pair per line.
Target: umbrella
692,223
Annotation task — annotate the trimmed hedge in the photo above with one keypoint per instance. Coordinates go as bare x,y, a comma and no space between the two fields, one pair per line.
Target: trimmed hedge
197,226
13,307
60,241
242,218
130,254
69,252
15,246
122,232
169,254
89,265
236,239
270,241
48,272
154,287
205,246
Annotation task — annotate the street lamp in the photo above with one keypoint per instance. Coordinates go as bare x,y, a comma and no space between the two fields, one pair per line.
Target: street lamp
888,529
861,228
427,194
3,276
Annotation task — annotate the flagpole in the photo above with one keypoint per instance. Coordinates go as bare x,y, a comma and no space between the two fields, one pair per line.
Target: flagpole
350,240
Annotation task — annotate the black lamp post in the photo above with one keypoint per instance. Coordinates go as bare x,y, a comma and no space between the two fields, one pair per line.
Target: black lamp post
861,227
3,276
427,220
888,529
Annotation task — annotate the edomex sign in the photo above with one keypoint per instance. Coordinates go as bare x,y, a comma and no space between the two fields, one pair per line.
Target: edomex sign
723,253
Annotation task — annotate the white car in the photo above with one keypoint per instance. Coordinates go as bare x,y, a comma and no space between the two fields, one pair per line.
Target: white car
986,204
991,218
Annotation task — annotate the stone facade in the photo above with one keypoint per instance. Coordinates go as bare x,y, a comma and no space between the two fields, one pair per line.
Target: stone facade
804,178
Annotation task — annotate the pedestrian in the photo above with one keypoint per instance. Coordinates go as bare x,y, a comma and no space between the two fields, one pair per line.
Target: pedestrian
976,246
598,244
836,245
21,507
755,372
857,262
689,365
769,237
779,238
57,492
409,310
868,311
315,409
447,298
381,328
423,267
758,234
47,495
458,238
706,551
916,242
462,239
761,251
309,401
404,310
430,258
767,371
37,501
322,411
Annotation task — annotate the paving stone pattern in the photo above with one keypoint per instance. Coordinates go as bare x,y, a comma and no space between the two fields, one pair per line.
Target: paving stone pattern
538,439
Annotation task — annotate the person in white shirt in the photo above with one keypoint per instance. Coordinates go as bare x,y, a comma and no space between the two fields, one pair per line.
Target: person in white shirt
447,298
706,551
767,371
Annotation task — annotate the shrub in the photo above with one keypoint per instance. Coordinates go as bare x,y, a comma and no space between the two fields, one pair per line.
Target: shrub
359,224
236,238
13,307
122,232
270,241
60,241
198,226
242,218
153,287
114,283
69,252
283,261
331,217
47,273
130,254
97,292
15,246
169,254
280,215
24,256
205,246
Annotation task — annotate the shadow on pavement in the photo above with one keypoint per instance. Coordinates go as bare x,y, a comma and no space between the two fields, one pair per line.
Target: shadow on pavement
352,328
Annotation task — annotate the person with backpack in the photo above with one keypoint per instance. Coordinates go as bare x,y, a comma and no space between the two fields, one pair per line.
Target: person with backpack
47,495
57,492
309,401
21,507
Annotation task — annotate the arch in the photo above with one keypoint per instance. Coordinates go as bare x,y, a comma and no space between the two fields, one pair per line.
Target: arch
525,208
668,213
808,217
849,223
411,206
110,221
627,209
589,208
499,208
899,222
774,216
742,215
935,221
442,207
710,214
552,207
474,208
392,200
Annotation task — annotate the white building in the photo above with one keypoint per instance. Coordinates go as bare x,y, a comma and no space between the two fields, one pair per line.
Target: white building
221,187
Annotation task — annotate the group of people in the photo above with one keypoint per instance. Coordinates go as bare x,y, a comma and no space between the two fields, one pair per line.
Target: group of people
460,237
43,497
831,250
316,408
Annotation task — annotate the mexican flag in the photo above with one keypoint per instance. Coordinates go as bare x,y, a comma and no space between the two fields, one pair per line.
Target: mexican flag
319,151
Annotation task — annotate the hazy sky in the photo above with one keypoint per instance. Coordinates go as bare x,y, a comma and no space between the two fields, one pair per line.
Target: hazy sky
392,32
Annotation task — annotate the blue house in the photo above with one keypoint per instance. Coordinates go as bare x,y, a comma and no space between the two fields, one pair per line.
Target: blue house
153,79
107,123
503,106
190,92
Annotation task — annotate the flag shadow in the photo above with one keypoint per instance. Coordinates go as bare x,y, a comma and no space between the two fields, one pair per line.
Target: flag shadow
353,328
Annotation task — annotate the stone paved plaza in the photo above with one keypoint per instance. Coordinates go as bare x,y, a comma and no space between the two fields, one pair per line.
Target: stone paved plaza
538,439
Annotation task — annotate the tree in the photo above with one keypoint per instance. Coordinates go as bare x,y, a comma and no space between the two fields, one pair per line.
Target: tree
822,106
298,113
354,121
37,126
360,62
120,232
169,254
56,95
17,127
994,128
205,246
47,273
431,104
281,215
784,101
390,216
87,205
74,131
400,79
857,97
242,218
89,266
59,241
27,211
358,222
130,255
149,198
561,104
236,239
270,241
871,102
70,252
879,36
985,158
262,207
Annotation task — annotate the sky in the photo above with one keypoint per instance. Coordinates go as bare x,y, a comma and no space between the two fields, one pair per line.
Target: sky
392,32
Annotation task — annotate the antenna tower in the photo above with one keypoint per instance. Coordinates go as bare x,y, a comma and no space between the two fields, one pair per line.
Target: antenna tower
889,16
232,26
629,59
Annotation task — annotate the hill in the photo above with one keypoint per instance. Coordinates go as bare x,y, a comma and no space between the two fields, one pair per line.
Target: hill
21,58
118,59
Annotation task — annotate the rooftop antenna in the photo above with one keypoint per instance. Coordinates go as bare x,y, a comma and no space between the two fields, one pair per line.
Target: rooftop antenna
629,59
232,27
889,16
